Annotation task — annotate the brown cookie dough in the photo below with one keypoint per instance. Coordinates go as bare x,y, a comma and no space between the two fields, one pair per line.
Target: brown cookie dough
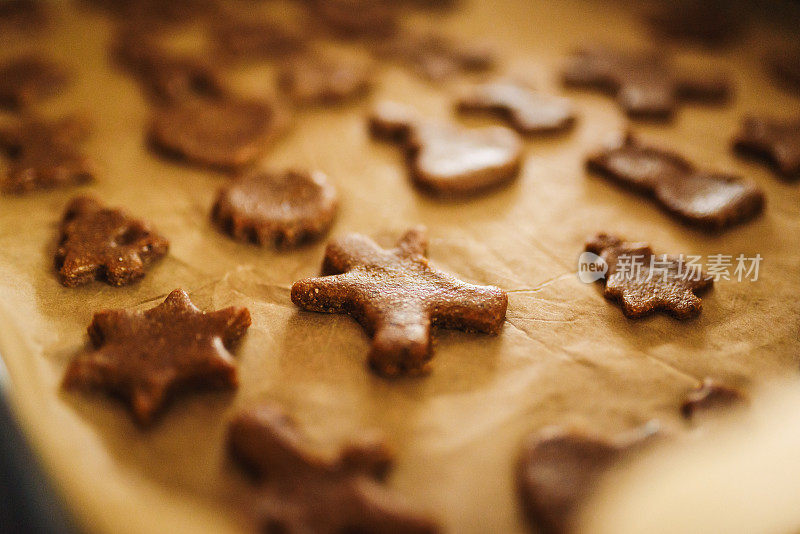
314,79
557,471
284,209
166,76
707,200
27,79
356,18
45,154
528,111
642,282
145,357
226,134
396,295
435,57
645,85
301,490
448,160
710,396
777,141
103,243
244,39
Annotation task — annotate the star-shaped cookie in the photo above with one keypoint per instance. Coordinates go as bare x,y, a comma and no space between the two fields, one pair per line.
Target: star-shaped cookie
396,295
642,282
104,243
778,141
45,154
146,356
301,490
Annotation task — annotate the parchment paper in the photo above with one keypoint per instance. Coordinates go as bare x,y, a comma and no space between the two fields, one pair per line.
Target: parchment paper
565,355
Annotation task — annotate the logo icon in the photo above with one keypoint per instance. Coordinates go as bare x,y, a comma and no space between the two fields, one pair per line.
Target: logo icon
591,268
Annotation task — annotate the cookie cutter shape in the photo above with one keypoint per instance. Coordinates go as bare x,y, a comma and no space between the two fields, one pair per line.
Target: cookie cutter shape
284,209
644,84
301,490
396,295
643,283
707,200
145,357
447,160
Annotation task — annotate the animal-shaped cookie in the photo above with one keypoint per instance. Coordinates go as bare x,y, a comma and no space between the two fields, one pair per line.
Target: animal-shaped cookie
777,141
558,469
45,154
145,357
642,282
446,159
284,209
528,111
396,295
226,134
645,85
707,200
27,79
104,243
301,490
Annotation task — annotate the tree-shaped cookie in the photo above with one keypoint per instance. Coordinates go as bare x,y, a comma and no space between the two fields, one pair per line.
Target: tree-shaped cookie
528,111
44,154
778,141
104,243
26,79
445,159
707,200
558,469
284,209
146,356
226,134
644,84
396,295
643,283
303,491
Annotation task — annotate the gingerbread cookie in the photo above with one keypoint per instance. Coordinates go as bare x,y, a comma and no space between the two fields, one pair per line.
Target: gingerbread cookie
103,243
168,77
145,357
435,57
775,140
314,79
528,111
241,39
643,283
356,18
710,396
707,200
644,84
27,79
225,134
396,295
284,209
301,490
557,471
44,154
448,160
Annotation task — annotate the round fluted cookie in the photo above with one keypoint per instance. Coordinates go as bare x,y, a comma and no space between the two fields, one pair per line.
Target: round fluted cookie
226,134
284,209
